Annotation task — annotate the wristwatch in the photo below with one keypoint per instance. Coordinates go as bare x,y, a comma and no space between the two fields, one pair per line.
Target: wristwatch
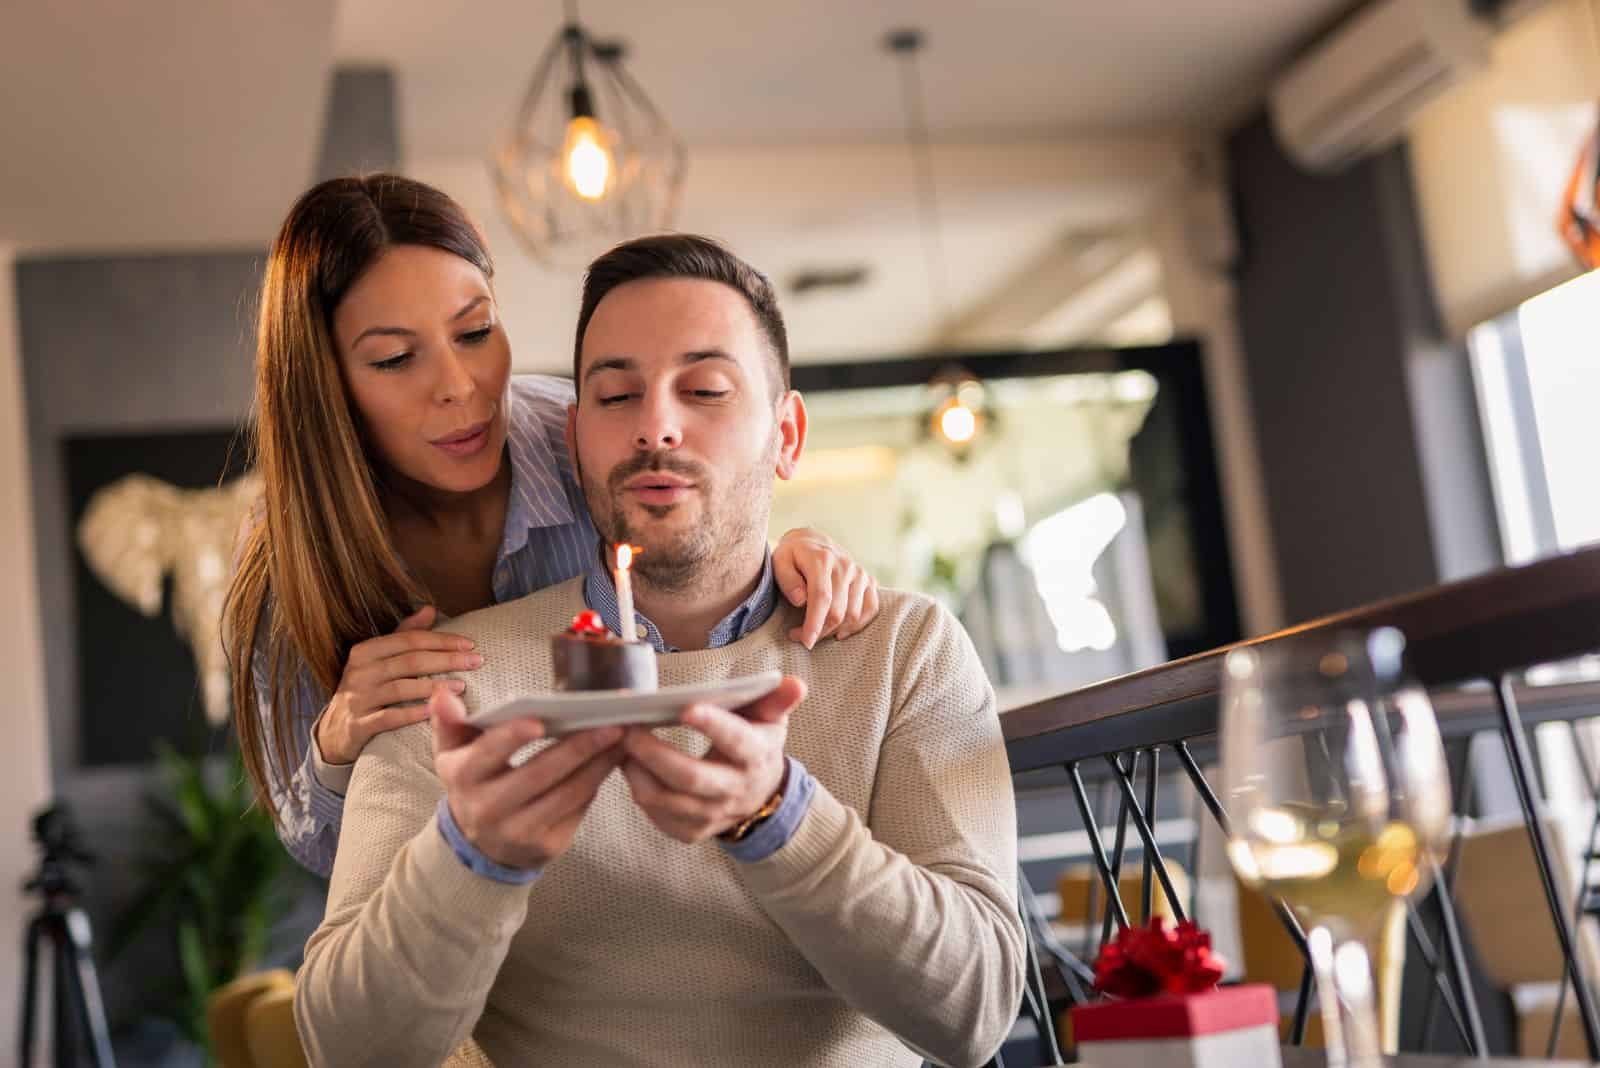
741,830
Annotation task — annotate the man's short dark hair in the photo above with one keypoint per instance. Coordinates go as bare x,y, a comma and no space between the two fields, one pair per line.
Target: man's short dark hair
684,256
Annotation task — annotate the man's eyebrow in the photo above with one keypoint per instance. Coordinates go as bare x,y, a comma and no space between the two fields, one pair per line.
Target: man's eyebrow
627,363
610,363
701,355
400,331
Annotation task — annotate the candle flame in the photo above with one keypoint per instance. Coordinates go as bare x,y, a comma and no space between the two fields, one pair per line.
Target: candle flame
625,555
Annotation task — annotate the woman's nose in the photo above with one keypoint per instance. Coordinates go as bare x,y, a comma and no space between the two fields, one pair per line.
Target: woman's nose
456,383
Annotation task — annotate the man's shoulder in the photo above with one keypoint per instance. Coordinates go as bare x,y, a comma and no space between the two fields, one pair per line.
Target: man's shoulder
913,616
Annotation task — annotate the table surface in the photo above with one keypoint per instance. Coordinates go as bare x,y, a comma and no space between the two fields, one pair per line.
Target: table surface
1313,1058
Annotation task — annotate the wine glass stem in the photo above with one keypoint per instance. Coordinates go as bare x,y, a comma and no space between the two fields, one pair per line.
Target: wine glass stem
1353,979
1319,945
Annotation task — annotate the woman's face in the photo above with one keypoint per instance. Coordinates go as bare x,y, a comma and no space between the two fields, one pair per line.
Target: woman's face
426,362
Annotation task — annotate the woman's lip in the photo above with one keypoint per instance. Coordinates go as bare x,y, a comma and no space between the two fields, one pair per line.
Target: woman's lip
466,446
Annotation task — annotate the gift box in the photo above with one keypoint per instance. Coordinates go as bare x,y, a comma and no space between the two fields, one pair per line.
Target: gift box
1230,1027
1162,1006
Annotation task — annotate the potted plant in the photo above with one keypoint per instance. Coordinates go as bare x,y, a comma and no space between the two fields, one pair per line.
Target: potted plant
215,876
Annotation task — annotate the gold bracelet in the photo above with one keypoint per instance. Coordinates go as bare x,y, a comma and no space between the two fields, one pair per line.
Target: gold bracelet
740,830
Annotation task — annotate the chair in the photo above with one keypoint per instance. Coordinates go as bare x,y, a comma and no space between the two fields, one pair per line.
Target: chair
1501,899
228,1007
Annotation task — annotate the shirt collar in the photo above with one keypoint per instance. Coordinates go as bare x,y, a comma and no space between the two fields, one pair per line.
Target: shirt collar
600,592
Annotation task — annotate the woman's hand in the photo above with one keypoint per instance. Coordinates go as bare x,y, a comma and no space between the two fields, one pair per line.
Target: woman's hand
383,685
839,597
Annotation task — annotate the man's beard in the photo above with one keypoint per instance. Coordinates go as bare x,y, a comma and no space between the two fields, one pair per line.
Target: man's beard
693,552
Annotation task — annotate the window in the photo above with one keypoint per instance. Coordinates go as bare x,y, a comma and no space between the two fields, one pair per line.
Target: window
1537,374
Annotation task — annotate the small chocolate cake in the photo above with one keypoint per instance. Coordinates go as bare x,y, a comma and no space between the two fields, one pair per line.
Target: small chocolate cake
587,656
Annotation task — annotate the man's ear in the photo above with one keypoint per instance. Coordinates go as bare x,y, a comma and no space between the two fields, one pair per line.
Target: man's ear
791,433
572,433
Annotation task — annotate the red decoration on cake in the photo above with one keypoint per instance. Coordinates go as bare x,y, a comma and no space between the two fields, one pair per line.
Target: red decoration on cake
1143,962
588,622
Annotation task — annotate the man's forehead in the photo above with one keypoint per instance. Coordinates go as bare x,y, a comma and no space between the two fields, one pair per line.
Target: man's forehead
676,320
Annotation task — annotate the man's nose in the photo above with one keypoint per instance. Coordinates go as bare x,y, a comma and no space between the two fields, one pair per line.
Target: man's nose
659,424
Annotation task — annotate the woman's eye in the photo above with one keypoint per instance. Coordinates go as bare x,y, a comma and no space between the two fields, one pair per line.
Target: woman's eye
613,399
393,363
479,336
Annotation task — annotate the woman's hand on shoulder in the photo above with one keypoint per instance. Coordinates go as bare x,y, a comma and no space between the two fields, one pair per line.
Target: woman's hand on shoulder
813,572
384,685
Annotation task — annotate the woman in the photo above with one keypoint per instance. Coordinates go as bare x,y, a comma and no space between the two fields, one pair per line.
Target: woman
403,466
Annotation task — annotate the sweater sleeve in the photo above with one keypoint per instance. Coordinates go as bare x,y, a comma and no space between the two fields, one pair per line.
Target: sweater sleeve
400,968
912,916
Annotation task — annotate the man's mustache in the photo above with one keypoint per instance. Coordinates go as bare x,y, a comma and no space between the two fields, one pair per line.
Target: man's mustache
659,460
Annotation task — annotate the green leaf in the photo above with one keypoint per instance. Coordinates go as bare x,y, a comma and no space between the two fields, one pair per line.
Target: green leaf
192,955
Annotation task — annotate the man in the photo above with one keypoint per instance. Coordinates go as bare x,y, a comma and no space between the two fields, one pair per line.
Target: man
824,889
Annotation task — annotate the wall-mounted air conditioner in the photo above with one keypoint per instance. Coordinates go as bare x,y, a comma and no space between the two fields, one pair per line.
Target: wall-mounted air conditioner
1358,88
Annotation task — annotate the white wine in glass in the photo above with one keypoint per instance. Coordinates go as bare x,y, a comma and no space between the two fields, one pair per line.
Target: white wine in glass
1335,783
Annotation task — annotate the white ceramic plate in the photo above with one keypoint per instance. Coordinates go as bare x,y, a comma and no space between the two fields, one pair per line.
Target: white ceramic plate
564,712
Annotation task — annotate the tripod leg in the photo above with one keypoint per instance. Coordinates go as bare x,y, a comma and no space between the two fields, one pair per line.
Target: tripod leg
66,1034
86,983
30,984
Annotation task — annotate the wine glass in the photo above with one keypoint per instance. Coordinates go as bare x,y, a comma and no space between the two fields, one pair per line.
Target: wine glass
1335,785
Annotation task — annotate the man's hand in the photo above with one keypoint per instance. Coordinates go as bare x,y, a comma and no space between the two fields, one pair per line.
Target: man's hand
693,799
525,816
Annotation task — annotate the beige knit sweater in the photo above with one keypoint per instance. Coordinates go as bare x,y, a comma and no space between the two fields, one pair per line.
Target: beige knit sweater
888,921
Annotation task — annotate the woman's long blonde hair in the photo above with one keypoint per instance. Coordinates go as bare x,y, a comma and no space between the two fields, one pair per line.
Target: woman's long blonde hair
317,570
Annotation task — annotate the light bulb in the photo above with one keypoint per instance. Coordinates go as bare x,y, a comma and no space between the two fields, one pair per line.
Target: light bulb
589,165
958,423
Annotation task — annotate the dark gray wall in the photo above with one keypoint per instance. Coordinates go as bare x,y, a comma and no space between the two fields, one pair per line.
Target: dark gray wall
362,133
1368,437
124,344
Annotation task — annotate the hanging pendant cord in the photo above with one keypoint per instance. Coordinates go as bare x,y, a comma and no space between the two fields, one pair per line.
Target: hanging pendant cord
906,45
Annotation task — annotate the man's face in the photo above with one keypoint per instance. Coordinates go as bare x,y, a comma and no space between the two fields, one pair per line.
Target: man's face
679,428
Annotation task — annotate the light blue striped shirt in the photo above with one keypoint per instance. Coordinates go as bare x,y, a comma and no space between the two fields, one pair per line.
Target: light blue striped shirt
548,539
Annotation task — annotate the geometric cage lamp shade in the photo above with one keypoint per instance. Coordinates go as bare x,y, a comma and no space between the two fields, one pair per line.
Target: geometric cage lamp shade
590,161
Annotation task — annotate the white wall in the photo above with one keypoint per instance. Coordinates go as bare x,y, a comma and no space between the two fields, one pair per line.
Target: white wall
1491,158
24,758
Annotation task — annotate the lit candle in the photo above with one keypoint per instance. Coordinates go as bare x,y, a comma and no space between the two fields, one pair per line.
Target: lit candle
625,590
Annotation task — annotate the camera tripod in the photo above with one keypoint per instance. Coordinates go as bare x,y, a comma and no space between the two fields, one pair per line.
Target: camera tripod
79,1013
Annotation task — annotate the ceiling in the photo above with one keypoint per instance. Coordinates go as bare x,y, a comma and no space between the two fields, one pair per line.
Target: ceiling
181,123
158,124
762,72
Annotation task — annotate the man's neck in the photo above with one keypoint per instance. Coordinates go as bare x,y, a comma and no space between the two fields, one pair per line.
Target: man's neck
686,617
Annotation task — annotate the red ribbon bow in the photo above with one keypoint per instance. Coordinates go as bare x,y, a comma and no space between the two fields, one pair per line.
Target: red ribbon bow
1144,961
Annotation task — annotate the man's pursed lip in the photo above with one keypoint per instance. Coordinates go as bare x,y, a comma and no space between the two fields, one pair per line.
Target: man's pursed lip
659,494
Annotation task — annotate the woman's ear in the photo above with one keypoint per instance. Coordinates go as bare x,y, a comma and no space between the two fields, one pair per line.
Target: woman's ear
791,433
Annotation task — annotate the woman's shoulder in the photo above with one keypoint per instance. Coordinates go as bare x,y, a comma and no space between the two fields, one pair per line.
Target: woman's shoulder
542,399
